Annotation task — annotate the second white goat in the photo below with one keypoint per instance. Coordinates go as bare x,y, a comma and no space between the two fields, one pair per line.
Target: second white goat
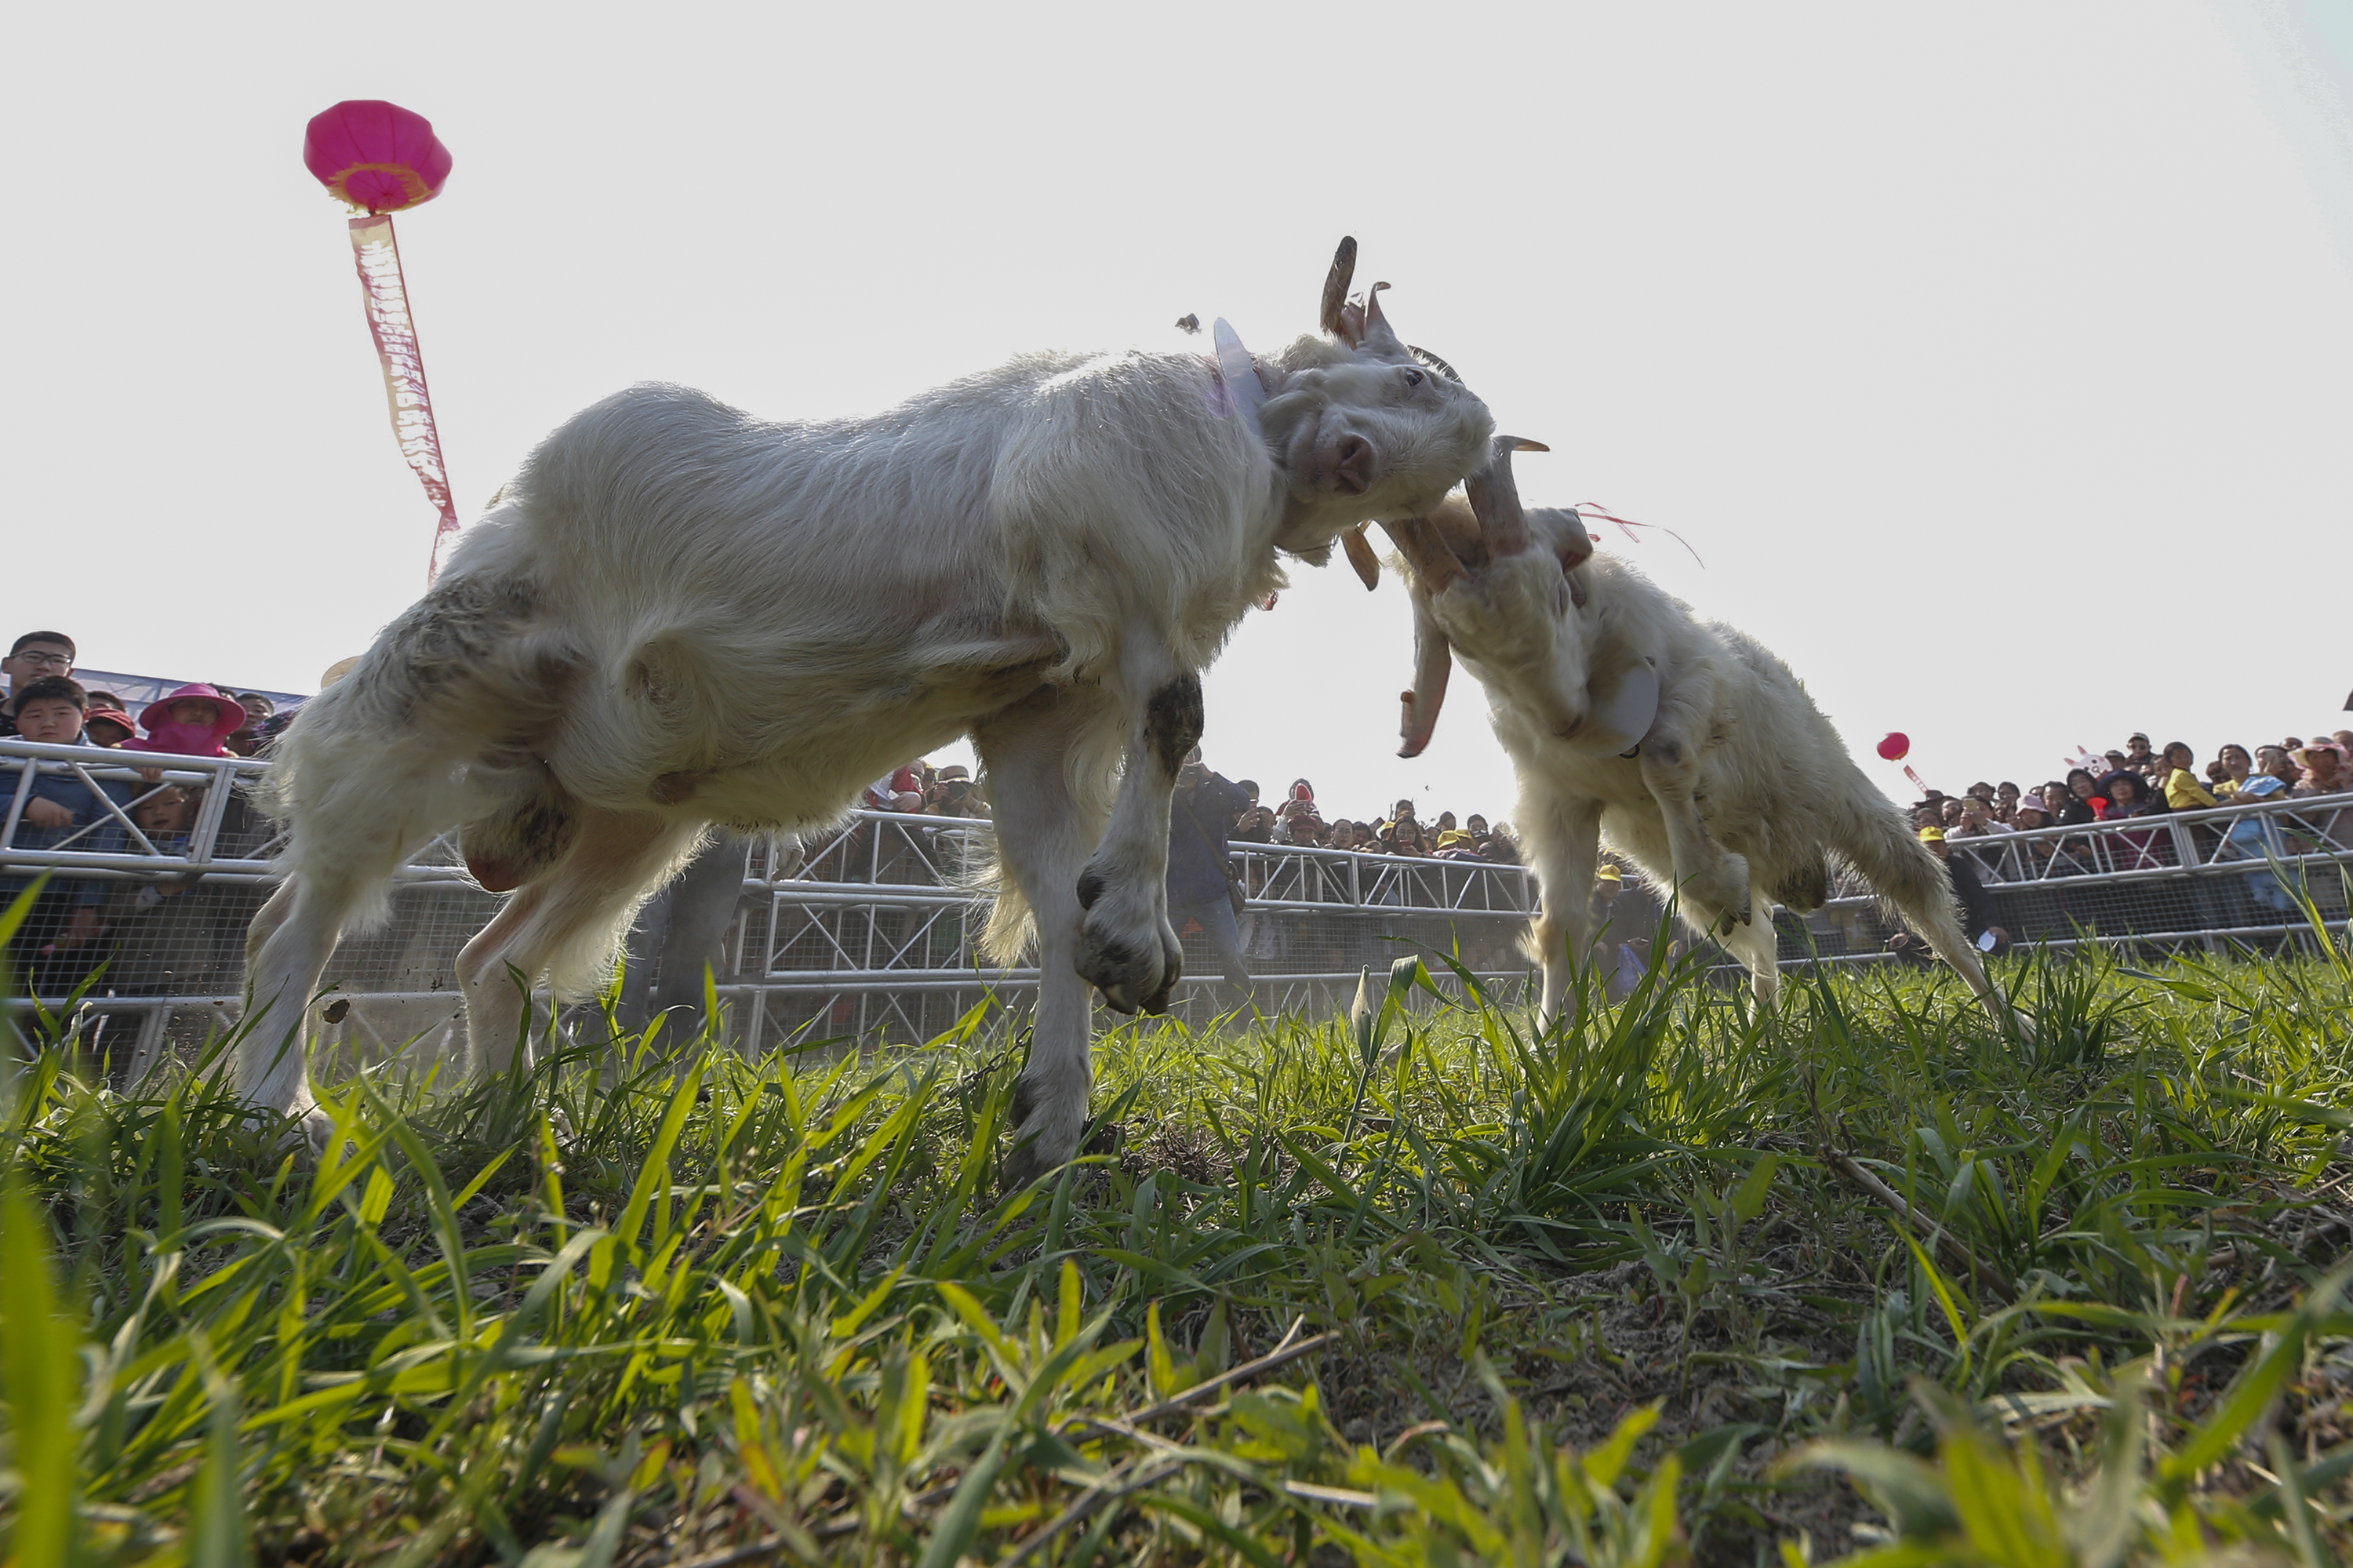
1685,743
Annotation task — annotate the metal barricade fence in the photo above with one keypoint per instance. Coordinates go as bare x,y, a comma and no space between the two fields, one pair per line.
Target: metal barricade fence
872,929
2232,876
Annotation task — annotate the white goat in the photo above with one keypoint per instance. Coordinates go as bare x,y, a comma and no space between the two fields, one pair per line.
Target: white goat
679,615
1685,743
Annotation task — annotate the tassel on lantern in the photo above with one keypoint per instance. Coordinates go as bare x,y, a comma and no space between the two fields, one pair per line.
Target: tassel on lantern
377,253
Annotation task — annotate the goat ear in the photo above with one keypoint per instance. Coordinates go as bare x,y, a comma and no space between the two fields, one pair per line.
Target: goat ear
1336,285
1495,498
1378,334
1361,557
1571,541
1623,707
1433,661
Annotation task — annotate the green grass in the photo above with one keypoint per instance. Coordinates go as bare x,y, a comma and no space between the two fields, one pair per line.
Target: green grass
1865,1275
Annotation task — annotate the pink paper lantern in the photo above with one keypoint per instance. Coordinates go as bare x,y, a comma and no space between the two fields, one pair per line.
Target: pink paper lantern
1895,745
376,155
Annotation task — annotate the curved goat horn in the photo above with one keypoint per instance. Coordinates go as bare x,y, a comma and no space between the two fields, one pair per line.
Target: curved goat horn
1495,498
1337,282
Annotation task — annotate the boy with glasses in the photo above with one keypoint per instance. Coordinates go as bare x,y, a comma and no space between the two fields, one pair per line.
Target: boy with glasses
34,656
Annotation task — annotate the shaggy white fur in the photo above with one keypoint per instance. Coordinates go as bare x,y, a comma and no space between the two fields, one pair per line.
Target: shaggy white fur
679,615
1685,743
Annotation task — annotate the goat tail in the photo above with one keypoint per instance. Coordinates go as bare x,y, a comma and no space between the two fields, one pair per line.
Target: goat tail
1006,934
1051,809
1905,876
429,729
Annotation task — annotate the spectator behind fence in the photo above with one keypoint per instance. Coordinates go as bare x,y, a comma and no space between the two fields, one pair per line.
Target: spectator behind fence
34,656
108,726
177,935
1200,875
2127,794
1453,843
248,739
55,947
192,721
2325,772
2238,766
1976,821
2089,805
2180,787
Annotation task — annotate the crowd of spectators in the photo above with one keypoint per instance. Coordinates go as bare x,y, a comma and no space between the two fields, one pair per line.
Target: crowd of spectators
195,720
920,789
1298,820
75,923
2139,780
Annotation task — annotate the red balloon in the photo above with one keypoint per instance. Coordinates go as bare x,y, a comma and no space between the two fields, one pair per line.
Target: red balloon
1895,745
376,155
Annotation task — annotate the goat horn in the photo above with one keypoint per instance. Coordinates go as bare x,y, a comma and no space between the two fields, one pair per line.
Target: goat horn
1495,498
1360,556
1337,282
1425,549
1374,320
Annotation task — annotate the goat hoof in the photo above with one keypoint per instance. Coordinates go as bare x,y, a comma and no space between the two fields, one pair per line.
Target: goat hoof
1046,1132
1132,974
1026,1165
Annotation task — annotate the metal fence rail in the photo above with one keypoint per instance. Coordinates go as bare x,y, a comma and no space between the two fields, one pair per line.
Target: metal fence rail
2208,879
872,929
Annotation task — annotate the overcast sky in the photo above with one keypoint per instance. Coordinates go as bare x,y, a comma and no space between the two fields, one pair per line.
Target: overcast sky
1995,358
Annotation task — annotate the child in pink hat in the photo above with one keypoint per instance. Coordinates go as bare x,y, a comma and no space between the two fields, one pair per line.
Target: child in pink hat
190,722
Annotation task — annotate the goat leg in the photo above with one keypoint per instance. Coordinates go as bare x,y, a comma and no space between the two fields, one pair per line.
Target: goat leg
1127,950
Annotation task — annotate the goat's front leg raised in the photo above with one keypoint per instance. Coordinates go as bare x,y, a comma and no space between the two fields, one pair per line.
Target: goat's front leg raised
1127,950
1569,844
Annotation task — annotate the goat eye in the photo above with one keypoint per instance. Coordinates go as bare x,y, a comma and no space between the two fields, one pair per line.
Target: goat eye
1413,377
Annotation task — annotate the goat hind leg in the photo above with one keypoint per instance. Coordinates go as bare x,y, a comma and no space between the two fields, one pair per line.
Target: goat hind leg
290,939
1043,834
1757,945
573,906
1570,847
